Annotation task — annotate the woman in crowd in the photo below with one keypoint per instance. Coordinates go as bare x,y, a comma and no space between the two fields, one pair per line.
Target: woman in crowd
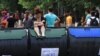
4,18
82,22
39,23
69,19
25,20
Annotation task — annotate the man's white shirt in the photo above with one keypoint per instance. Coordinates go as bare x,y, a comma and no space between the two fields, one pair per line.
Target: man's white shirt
89,20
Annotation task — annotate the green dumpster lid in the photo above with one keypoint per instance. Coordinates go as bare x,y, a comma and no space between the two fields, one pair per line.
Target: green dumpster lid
52,32
12,34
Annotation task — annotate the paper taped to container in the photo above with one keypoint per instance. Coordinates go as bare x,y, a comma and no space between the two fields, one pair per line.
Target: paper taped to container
49,51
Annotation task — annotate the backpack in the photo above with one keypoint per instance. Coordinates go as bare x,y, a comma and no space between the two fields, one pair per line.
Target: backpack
94,22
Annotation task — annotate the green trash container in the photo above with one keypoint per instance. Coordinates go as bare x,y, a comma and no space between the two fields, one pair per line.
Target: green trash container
13,42
56,39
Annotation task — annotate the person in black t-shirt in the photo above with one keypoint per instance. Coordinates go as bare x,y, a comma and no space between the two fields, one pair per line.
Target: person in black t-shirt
11,21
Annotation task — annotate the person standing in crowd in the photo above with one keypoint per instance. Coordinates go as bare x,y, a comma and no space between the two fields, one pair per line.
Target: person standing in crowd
97,13
94,9
39,24
18,20
17,15
69,21
62,21
93,21
30,21
51,18
88,14
4,18
82,23
11,21
27,18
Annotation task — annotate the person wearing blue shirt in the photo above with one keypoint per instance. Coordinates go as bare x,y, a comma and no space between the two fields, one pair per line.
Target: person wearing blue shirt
51,18
88,16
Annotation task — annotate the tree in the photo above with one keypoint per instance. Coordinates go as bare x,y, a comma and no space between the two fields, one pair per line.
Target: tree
95,2
8,4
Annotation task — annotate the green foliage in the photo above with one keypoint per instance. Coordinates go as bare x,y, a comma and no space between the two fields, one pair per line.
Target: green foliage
32,3
25,4
95,2
44,4
8,4
3,4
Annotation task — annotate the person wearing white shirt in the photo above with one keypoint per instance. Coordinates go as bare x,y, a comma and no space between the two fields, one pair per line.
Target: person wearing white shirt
88,23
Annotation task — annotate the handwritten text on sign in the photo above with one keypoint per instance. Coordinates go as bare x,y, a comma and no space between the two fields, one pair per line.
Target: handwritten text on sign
49,51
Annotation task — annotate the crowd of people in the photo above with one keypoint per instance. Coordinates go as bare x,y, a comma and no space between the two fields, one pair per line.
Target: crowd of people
91,19
9,20
39,21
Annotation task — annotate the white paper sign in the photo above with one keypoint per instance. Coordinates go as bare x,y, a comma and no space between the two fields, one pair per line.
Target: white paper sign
99,52
49,51
6,55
